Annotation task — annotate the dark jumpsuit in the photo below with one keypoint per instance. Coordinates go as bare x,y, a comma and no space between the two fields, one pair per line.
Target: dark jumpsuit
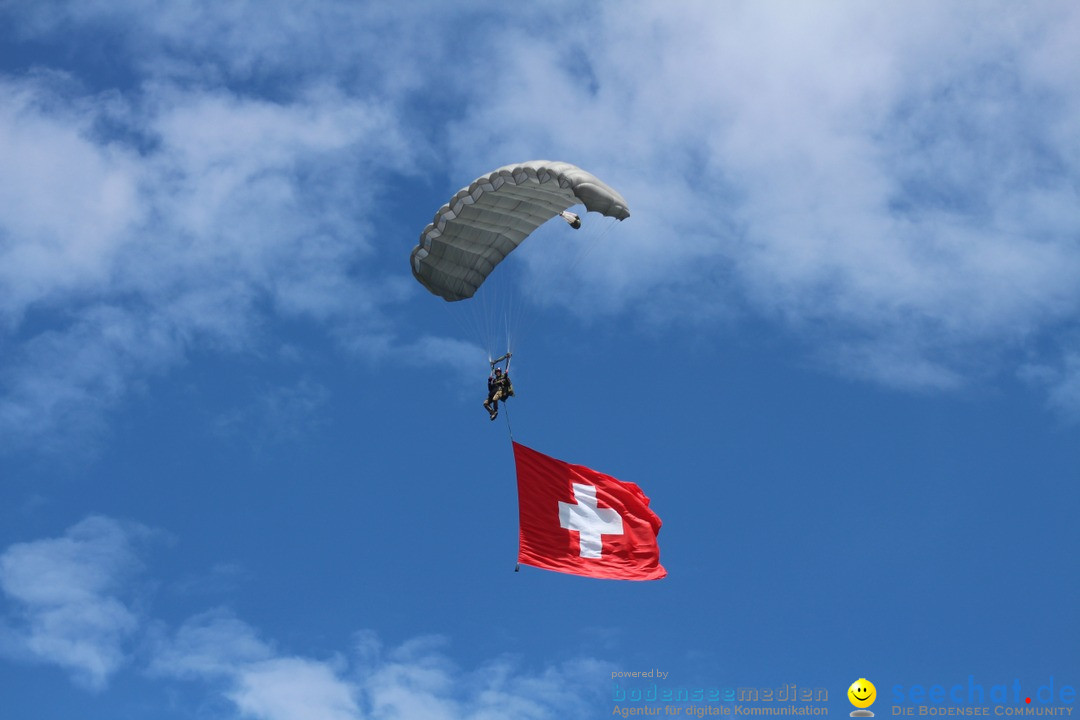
499,388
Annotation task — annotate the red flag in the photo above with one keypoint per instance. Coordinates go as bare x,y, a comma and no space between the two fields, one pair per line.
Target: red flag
579,521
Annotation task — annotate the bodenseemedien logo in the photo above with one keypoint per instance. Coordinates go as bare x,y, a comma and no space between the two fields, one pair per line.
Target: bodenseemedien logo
862,695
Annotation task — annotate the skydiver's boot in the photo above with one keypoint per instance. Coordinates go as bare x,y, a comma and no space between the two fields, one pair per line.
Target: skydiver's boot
495,410
492,411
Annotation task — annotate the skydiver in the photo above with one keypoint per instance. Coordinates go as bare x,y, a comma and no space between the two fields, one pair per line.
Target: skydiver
499,388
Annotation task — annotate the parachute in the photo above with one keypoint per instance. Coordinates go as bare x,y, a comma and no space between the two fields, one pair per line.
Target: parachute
486,221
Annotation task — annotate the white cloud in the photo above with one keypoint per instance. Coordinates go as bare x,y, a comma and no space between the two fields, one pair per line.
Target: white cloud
903,177
127,259
229,658
68,593
68,596
210,644
66,204
294,689
414,680
417,679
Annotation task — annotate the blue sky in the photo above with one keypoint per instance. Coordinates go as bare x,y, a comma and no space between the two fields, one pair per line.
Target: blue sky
244,470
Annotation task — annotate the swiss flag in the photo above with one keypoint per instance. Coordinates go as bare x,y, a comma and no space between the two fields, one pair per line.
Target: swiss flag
579,521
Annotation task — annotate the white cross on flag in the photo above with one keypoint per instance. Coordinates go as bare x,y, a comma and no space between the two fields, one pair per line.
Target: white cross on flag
576,520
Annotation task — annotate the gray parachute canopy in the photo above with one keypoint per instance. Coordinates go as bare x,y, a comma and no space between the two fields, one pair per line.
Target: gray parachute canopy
486,221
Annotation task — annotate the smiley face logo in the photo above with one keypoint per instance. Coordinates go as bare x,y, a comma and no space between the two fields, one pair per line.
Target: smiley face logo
862,693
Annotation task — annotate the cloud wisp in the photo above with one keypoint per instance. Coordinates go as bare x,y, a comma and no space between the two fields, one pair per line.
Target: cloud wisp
71,598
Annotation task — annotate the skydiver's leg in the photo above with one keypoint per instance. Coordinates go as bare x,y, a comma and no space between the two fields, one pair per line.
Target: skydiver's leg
495,403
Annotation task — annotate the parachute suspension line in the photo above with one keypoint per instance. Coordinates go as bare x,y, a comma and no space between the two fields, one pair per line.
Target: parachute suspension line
503,313
474,322
595,232
477,317
482,305
518,311
487,318
498,303
462,319
586,248
508,321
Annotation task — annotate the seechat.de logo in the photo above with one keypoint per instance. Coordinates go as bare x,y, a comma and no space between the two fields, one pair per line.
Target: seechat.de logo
862,695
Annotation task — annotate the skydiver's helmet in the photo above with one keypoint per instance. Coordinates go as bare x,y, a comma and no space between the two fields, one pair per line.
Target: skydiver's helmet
498,371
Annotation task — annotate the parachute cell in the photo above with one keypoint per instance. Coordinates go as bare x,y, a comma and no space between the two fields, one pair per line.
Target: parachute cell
486,221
